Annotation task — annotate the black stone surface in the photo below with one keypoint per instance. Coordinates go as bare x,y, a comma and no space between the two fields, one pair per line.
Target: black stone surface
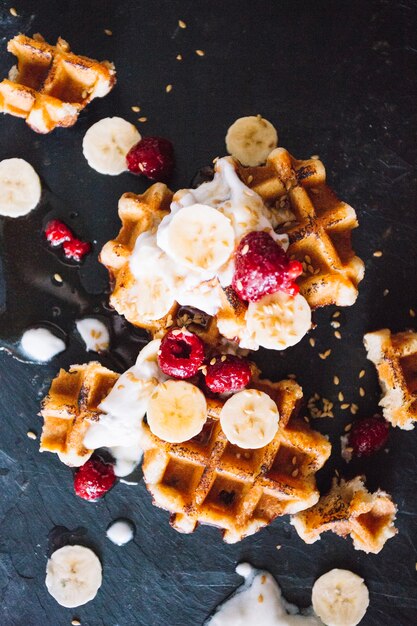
338,79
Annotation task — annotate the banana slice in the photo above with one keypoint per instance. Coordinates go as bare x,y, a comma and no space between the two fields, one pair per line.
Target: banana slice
177,411
20,188
278,321
73,575
154,298
200,237
340,598
249,419
251,139
106,144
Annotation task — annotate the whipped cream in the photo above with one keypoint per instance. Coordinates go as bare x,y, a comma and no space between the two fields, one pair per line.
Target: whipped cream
120,426
40,344
94,333
120,532
259,602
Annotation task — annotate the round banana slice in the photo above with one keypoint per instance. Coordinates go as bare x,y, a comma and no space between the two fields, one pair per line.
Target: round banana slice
154,298
177,411
340,598
73,575
200,237
251,139
20,188
106,144
278,321
249,419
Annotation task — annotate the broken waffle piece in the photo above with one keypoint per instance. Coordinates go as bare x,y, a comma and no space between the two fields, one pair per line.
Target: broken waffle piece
349,509
50,85
395,358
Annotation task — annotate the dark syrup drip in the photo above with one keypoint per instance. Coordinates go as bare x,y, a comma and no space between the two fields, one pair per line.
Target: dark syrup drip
30,296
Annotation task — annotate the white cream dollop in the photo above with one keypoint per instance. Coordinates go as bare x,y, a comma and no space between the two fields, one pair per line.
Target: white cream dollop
120,426
40,344
259,602
120,532
94,333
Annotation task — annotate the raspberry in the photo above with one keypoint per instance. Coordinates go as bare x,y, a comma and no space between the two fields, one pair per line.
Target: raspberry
153,157
368,435
262,268
228,373
94,479
76,249
57,232
181,354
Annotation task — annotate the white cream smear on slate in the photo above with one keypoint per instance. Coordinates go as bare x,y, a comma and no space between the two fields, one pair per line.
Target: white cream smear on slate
120,532
152,254
94,333
40,344
259,602
120,426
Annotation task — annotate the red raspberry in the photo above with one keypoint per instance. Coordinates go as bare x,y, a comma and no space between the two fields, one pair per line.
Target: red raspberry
76,249
228,373
153,157
57,232
262,268
94,479
368,435
181,354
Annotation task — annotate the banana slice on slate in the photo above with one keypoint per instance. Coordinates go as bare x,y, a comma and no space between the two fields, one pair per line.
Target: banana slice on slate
340,598
279,320
176,411
249,419
106,144
200,237
73,575
251,139
20,187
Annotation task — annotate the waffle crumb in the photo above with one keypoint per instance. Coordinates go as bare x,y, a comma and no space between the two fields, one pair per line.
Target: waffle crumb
142,119
13,12
31,434
200,53
168,88
354,408
135,109
108,32
377,253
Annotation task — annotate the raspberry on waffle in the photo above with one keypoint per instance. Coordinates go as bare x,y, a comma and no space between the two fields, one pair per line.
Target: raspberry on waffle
395,358
349,509
50,85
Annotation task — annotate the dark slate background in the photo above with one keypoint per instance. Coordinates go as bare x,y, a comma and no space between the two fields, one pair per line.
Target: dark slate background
338,79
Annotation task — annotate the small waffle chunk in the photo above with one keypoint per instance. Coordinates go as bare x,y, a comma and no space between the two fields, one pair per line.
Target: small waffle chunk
50,85
349,509
72,400
319,226
208,480
395,358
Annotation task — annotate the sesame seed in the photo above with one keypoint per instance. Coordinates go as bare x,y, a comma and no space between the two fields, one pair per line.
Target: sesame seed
337,473
58,278
340,396
135,109
142,119
292,376
336,314
213,360
348,427
250,179
354,408
307,258
361,373
224,357
239,285
179,57
200,53
31,434
361,392
412,313
294,460
76,622
245,249
204,370
385,292
279,548
315,157
336,380
13,12
344,406
260,598
335,324
182,24
295,472
306,419
337,334
176,332
324,355
312,342
377,253
168,88
108,32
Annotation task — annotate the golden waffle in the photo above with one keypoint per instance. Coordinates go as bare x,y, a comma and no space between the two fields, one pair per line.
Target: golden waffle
73,399
138,214
208,480
320,235
349,509
395,358
50,85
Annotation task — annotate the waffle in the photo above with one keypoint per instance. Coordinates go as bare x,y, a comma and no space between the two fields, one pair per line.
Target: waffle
208,480
138,214
320,231
50,85
395,358
349,509
72,399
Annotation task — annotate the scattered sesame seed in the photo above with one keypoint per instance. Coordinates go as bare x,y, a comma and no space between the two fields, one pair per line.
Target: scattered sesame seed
179,57
345,406
294,460
182,24
260,598
31,434
13,12
239,285
292,376
135,109
377,253
312,342
340,396
204,370
335,324
361,392
337,473
336,314
224,357
385,292
337,334
412,313
336,380
315,157
200,53
324,355
361,373
279,548
213,360
354,408
295,472
245,249
306,419
348,427
250,179
108,32
58,278
168,88
76,622
142,119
